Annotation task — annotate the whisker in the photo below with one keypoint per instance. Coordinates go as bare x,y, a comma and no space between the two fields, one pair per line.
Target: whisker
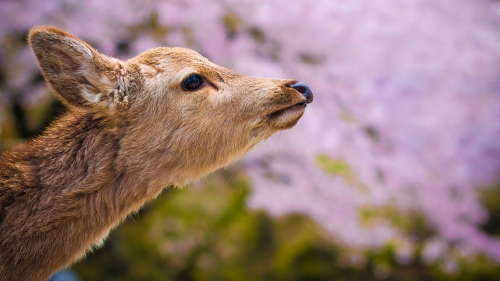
276,144
234,171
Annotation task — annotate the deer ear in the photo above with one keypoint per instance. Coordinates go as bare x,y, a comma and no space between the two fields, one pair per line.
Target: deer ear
80,76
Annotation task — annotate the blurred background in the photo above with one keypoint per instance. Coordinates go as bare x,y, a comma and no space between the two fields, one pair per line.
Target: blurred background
392,174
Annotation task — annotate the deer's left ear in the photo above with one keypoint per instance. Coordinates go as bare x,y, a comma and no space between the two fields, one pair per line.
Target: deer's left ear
80,76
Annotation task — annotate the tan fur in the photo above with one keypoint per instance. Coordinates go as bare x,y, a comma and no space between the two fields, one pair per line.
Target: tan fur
131,131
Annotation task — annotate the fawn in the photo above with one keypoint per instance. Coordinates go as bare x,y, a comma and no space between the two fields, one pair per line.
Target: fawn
165,117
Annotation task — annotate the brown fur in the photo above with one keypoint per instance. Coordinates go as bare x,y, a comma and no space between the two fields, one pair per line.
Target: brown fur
131,131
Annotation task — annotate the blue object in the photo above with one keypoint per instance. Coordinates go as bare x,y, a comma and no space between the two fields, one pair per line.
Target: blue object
64,275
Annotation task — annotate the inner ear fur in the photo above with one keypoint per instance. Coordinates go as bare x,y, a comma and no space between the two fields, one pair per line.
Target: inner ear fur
80,76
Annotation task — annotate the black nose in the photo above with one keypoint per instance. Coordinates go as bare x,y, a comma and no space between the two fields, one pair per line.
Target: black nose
304,90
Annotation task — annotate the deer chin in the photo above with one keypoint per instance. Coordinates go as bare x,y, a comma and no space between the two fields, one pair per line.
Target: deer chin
287,117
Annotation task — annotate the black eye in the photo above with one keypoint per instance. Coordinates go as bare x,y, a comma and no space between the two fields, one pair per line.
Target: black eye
192,82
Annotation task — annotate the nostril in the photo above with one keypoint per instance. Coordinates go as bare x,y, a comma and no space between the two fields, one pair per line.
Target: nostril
304,90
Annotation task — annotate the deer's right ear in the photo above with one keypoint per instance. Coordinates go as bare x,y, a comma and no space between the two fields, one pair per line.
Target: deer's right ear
80,76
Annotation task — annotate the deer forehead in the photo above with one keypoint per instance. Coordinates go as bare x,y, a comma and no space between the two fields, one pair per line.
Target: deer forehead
170,58
177,63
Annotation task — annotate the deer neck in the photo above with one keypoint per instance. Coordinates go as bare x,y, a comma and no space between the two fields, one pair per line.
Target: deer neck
63,192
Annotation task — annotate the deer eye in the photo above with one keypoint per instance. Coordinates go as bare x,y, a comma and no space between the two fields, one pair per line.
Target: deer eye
192,82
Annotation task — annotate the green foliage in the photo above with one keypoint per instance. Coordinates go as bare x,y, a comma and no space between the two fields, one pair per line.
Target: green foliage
491,200
411,223
207,232
337,167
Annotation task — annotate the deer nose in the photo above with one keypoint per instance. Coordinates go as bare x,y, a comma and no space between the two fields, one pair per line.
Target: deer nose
304,90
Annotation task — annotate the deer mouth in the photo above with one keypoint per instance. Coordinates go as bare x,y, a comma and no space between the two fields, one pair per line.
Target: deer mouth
286,118
298,107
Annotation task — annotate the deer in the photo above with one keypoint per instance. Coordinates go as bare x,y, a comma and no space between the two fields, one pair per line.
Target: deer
166,117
